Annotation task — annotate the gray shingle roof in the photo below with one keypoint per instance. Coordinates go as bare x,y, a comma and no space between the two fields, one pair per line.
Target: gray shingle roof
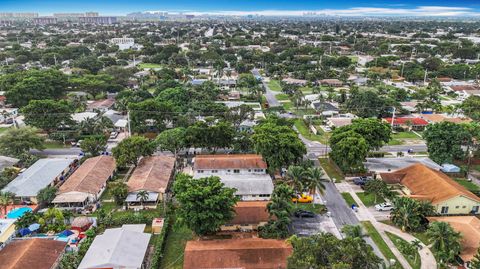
36,177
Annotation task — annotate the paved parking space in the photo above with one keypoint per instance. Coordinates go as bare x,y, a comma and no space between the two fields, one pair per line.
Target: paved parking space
311,226
379,215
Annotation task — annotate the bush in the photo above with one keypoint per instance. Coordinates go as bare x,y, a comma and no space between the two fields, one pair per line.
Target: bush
160,243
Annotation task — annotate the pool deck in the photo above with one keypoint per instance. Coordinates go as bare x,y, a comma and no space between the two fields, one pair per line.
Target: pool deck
12,207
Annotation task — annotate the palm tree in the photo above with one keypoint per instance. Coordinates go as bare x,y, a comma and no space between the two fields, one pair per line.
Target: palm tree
444,240
353,231
6,198
315,180
142,196
417,245
295,177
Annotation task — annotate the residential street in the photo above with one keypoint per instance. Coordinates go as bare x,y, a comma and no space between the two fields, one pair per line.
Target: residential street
269,94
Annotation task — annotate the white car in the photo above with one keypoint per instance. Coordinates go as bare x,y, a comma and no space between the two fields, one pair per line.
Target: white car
384,207
113,135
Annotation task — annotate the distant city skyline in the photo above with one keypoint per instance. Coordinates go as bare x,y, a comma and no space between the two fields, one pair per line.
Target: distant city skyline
265,7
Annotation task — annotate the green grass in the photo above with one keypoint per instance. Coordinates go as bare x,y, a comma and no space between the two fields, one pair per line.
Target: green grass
306,90
282,97
55,145
405,135
377,238
274,85
468,184
331,170
315,208
422,237
3,129
149,65
414,261
395,142
348,199
175,247
368,199
305,131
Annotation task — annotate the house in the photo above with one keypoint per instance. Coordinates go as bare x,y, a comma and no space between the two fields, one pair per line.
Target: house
7,231
43,173
248,253
86,184
32,253
248,216
331,82
436,118
407,122
337,122
469,227
293,81
7,115
83,116
423,183
327,109
153,175
7,162
383,165
245,172
100,105
118,248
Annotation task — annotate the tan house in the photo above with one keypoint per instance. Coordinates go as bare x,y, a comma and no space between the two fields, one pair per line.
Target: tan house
469,227
152,175
421,182
248,216
86,184
32,253
247,253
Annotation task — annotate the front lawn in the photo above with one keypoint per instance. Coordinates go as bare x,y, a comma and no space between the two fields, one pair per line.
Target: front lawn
414,260
377,238
274,85
282,97
149,65
315,208
331,170
468,184
51,144
368,199
305,131
405,135
175,247
348,199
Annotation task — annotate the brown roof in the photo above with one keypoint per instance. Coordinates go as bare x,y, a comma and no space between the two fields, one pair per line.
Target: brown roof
152,174
252,212
465,88
248,253
232,161
32,253
91,176
469,227
105,103
429,184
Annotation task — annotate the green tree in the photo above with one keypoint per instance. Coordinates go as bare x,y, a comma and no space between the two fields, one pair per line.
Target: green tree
475,262
471,107
173,140
131,149
315,180
376,187
205,203
324,250
119,191
48,115
375,133
296,176
445,241
279,208
46,195
17,141
94,145
278,144
6,199
150,115
142,196
353,231
94,84
445,141
349,150
410,214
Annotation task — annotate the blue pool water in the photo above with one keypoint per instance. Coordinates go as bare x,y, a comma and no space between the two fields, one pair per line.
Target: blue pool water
18,212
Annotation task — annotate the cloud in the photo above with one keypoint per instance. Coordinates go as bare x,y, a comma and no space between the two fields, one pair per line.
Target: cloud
421,11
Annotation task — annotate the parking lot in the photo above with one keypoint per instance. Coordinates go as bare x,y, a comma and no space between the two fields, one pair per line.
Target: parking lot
311,226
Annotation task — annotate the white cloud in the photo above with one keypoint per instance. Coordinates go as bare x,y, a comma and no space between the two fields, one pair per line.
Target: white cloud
422,11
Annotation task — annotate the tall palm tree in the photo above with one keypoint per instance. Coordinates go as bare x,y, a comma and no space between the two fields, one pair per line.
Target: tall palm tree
444,240
295,177
6,198
142,196
315,180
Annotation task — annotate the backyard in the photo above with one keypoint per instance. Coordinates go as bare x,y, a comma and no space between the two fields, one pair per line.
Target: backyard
175,246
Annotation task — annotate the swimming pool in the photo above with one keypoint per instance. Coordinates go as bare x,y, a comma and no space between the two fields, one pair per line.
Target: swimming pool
18,212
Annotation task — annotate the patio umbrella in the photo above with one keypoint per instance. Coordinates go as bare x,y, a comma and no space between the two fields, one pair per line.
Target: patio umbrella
34,227
24,231
65,233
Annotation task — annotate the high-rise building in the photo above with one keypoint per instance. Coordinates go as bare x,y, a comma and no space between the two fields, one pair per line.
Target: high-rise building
99,20
91,14
44,20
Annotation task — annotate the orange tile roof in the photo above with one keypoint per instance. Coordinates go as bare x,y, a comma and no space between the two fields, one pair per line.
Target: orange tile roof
252,212
153,173
229,161
426,183
469,227
31,253
248,253
90,176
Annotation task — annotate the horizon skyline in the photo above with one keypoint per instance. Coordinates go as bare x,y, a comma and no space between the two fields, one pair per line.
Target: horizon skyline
349,8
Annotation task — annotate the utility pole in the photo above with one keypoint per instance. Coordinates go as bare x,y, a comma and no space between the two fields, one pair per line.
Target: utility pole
425,77
393,116
128,123
403,65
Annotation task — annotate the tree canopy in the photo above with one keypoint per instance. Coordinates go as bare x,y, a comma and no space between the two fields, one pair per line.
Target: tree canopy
131,149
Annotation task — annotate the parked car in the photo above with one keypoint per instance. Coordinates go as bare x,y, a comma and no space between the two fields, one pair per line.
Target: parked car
303,198
384,207
304,214
360,181
77,144
113,135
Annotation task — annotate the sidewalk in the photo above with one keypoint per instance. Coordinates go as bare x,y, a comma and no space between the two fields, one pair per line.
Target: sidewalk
426,256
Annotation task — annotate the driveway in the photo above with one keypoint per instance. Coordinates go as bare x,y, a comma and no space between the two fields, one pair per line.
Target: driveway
311,226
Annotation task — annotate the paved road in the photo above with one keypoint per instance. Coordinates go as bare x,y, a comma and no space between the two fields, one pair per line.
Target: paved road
269,94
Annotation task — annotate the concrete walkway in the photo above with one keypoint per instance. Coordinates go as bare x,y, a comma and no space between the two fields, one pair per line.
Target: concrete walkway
426,256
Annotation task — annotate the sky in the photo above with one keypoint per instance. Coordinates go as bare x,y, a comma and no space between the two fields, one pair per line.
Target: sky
260,7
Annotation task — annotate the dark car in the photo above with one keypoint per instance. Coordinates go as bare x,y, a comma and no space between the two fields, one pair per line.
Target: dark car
361,180
304,214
